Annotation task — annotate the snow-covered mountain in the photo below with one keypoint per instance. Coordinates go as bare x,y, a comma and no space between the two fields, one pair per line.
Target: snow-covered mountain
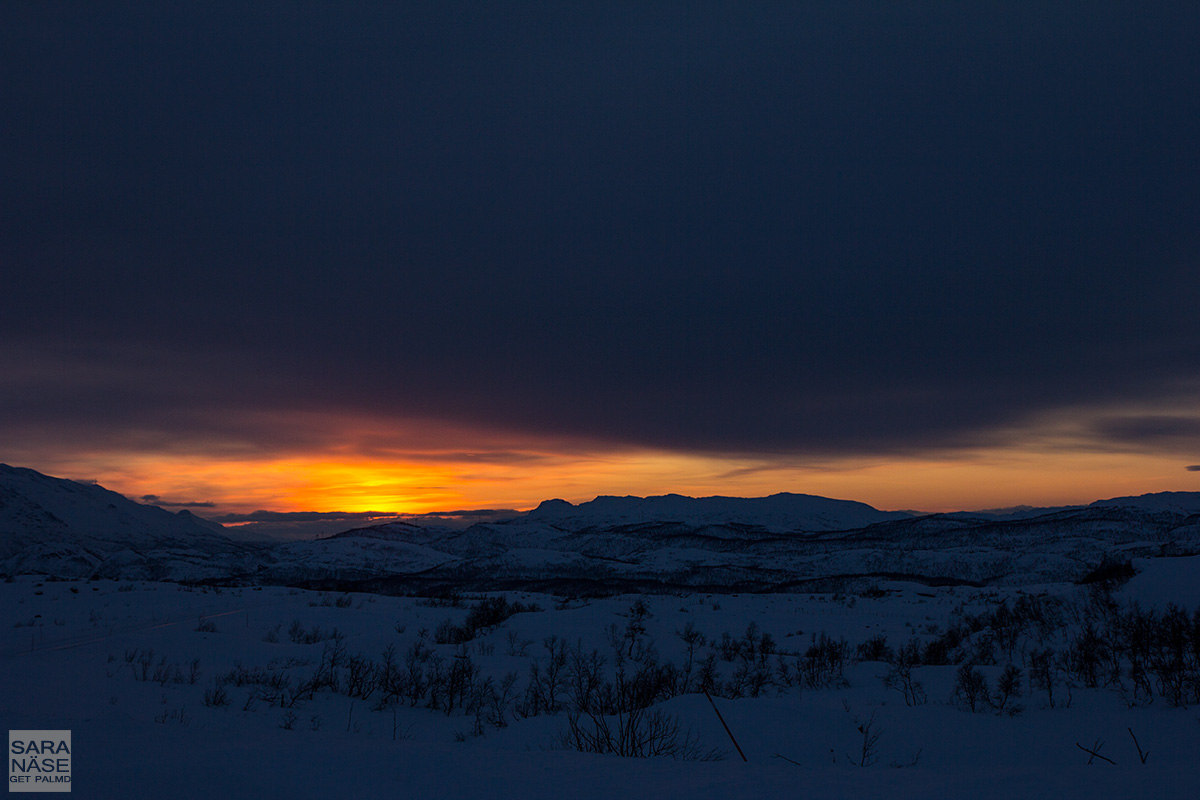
782,512
731,544
825,613
786,542
69,528
1171,502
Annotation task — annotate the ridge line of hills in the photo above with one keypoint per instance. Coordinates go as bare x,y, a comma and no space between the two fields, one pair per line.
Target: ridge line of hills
785,541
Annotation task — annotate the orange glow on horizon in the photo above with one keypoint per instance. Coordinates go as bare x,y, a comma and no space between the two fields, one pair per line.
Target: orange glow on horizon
355,464
326,482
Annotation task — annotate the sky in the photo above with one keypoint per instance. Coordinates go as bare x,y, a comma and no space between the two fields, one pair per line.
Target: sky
310,257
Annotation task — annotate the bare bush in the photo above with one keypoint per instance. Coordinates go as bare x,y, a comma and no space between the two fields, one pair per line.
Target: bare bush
971,688
1043,673
485,615
875,649
217,696
1008,686
900,677
868,754
548,678
824,661
301,635
635,733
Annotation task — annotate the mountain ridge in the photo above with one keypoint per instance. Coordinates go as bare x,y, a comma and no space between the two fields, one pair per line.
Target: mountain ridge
783,542
781,511
51,524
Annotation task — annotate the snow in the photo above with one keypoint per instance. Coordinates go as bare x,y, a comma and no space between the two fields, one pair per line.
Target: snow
89,510
69,528
778,513
1165,580
1176,502
63,665
781,542
79,653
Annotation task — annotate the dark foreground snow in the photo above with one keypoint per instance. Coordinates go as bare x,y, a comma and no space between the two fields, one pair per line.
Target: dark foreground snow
70,654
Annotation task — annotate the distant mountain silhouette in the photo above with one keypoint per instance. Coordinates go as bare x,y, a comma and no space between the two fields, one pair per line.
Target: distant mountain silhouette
784,542
778,512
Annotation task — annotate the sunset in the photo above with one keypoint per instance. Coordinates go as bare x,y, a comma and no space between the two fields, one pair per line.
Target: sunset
455,399
406,264
423,482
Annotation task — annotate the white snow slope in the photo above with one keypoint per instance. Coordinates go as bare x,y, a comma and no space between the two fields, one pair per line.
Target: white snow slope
68,528
128,667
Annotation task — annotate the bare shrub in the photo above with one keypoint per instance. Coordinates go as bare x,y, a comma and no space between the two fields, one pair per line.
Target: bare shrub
635,733
875,649
300,635
1008,686
971,688
488,613
900,677
1085,656
824,661
362,677
547,679
217,696
868,754
1043,672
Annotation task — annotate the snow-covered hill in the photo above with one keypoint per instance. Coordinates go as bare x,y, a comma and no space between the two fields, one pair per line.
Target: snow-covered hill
782,512
67,528
1172,502
824,654
785,542
719,544
207,692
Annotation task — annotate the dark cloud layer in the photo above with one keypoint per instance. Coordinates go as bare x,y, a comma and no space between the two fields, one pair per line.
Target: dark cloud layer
753,227
155,500
1182,430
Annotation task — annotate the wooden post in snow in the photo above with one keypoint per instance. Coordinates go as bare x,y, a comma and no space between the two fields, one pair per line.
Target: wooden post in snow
725,725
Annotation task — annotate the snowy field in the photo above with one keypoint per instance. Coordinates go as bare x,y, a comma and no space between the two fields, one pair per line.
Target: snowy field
174,690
